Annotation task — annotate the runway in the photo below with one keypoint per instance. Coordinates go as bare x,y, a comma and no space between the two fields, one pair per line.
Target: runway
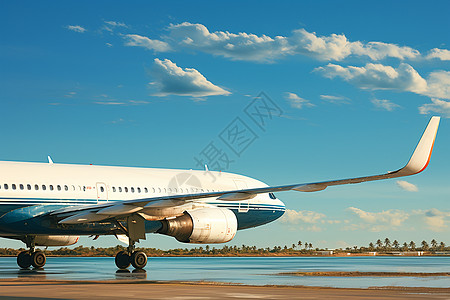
224,278
38,290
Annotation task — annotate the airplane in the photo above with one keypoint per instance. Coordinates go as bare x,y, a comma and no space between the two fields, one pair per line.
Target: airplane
50,204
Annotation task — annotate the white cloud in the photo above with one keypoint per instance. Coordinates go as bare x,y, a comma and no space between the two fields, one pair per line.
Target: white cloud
407,186
337,47
381,77
435,219
241,46
436,106
378,77
442,54
116,24
76,28
385,104
379,221
439,84
173,80
263,48
142,41
298,102
301,216
335,99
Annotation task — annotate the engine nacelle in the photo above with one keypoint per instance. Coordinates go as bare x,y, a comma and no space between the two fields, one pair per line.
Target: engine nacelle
55,240
202,226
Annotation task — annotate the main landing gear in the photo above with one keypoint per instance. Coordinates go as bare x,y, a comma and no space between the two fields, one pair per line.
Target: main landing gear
135,230
31,257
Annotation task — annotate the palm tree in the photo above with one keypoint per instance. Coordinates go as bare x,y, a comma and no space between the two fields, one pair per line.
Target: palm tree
424,246
405,246
379,244
434,244
412,245
371,246
395,244
442,246
387,243
310,246
299,244
293,246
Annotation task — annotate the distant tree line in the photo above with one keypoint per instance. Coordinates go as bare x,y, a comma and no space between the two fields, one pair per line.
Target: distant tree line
297,249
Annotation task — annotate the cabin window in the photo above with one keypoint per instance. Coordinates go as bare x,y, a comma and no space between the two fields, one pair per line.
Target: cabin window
58,187
21,186
154,191
36,187
170,190
159,190
13,186
102,189
132,189
120,189
146,190
29,187
139,189
44,187
114,189
50,187
84,188
126,189
66,188
73,188
5,186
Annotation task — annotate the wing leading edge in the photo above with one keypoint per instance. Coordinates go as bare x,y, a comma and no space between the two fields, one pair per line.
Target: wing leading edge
120,209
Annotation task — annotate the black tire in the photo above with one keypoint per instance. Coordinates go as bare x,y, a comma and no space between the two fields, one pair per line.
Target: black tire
139,260
24,259
38,259
122,260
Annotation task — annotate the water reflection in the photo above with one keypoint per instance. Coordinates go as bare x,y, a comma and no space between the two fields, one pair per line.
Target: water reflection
244,270
135,274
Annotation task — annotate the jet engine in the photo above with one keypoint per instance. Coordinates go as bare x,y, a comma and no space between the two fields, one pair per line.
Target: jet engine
202,226
55,240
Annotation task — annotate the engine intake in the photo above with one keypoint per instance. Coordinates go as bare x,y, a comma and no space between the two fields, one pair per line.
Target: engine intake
202,226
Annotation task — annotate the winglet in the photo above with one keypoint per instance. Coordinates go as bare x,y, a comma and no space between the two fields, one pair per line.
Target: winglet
422,154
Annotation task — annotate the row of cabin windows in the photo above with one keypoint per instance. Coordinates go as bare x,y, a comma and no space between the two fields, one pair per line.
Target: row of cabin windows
37,187
157,190
102,189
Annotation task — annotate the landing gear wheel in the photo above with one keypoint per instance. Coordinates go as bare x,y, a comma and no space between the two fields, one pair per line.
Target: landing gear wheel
139,260
38,259
24,259
122,260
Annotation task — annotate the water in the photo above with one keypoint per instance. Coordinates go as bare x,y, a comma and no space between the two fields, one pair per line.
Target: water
244,270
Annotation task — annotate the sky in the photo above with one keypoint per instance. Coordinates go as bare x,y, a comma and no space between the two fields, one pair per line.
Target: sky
321,89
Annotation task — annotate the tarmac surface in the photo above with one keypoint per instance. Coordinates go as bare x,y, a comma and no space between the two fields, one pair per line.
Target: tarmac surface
16,289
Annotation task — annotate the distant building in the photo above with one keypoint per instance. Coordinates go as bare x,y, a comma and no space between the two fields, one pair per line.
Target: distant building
324,252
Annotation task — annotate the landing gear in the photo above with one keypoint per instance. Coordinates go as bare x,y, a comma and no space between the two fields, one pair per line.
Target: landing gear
31,257
38,259
24,259
139,260
135,230
123,260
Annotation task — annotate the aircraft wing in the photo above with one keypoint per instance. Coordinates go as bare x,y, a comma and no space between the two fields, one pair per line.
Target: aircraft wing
121,209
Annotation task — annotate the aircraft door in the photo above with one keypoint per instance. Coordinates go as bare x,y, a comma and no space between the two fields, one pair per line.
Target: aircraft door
243,204
102,192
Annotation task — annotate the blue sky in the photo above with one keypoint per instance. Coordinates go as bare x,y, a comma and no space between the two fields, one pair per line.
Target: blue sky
152,84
